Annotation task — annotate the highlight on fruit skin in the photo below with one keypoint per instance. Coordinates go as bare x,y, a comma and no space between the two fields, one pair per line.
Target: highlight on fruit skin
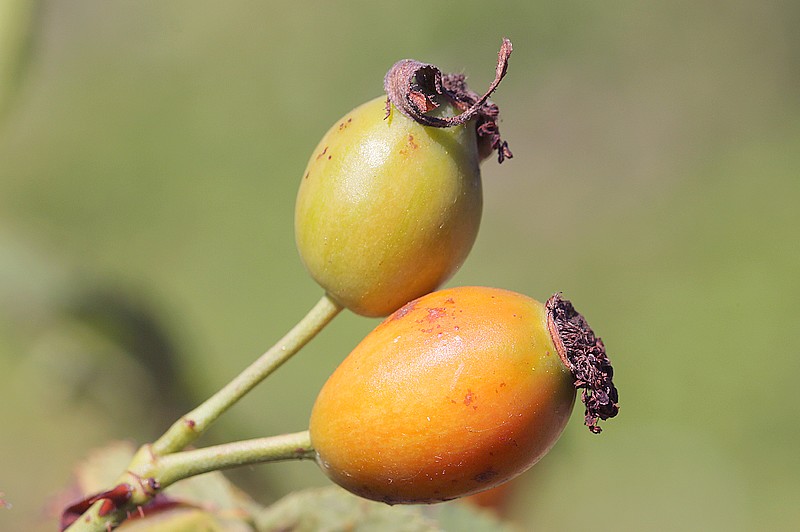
454,393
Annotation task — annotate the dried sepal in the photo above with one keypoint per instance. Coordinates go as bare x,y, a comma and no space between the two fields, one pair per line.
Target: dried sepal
585,356
413,88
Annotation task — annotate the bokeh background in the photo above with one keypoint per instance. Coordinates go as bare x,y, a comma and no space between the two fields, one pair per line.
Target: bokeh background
149,158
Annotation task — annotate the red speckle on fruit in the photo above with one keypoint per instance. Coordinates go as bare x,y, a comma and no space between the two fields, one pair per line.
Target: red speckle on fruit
469,398
433,315
324,151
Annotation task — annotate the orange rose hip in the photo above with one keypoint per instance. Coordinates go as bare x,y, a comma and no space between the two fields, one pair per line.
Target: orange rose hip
456,392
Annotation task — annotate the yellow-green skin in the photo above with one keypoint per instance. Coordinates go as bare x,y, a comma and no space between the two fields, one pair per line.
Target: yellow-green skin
387,209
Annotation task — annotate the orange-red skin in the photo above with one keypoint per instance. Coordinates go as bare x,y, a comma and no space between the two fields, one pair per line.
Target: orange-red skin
454,393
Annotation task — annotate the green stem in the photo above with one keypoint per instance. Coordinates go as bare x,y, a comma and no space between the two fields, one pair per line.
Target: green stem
192,425
151,474
159,464
178,466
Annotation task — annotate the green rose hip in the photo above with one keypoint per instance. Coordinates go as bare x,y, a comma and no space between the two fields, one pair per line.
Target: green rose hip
388,209
390,203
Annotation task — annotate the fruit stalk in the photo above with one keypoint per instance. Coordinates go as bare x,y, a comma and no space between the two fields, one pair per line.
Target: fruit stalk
192,425
178,466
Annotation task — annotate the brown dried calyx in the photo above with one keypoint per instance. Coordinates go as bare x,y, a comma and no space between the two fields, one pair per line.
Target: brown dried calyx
412,87
585,355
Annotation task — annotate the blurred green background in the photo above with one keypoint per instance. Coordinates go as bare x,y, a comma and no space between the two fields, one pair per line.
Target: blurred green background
149,157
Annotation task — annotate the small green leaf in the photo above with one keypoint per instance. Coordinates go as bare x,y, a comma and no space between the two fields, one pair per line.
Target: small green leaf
333,509
184,520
